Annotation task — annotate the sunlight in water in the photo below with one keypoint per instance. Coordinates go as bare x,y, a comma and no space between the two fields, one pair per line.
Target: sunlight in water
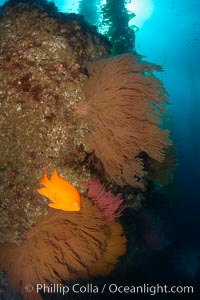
143,10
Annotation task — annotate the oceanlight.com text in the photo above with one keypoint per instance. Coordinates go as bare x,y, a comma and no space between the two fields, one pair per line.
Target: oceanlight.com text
111,288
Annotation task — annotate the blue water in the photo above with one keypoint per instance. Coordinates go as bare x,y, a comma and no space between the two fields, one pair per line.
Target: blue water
172,37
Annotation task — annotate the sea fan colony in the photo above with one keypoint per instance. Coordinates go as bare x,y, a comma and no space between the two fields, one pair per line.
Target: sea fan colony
110,205
64,245
122,109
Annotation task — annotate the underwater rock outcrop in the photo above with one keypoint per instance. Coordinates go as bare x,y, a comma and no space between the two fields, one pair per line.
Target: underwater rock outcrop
62,103
63,245
42,60
123,107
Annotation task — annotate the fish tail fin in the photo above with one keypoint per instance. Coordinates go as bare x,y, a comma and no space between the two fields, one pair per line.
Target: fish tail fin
44,179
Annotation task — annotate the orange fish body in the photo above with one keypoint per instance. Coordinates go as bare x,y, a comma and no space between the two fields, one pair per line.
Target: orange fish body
61,193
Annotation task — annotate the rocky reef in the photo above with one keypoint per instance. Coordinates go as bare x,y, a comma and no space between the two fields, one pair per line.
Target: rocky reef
66,105
42,60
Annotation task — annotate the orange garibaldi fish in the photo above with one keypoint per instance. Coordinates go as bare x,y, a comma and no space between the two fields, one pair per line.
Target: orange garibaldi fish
61,193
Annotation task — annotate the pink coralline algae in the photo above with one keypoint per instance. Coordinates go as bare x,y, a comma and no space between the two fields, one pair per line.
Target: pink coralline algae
109,204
